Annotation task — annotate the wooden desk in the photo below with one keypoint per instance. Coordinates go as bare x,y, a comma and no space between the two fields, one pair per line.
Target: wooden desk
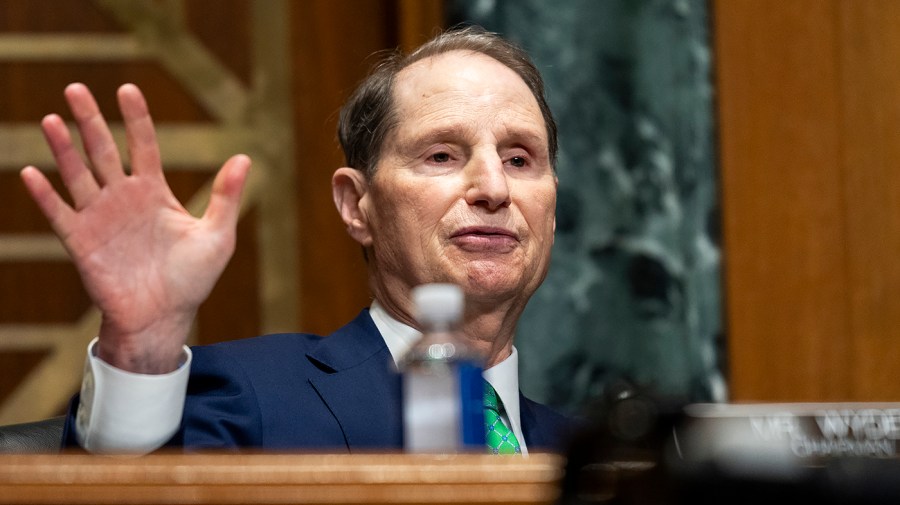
279,478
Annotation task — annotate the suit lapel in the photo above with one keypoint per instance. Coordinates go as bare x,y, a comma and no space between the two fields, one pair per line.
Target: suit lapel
531,428
359,385
545,429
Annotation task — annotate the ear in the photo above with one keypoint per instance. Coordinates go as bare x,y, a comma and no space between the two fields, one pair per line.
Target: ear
349,187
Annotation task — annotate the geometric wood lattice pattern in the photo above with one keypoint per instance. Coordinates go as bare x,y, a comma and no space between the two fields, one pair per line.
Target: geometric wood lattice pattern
250,115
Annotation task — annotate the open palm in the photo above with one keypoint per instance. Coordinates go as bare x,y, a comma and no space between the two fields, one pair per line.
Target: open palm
146,263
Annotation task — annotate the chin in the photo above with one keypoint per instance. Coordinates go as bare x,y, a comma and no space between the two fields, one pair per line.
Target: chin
493,284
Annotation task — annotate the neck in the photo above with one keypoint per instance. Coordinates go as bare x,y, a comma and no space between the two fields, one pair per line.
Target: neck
490,330
488,326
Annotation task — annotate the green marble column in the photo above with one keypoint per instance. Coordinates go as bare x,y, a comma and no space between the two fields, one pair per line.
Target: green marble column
634,287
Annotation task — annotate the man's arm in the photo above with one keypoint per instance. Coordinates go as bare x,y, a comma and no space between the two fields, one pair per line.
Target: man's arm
146,263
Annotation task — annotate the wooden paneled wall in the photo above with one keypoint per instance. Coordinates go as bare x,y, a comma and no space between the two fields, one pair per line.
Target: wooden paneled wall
308,56
809,124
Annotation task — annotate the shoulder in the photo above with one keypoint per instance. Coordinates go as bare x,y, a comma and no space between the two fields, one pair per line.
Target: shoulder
263,343
263,349
288,350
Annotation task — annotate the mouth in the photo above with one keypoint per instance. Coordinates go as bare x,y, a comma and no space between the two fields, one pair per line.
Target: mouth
485,239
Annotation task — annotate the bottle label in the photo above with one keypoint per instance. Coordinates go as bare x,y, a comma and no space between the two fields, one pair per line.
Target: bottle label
443,408
471,387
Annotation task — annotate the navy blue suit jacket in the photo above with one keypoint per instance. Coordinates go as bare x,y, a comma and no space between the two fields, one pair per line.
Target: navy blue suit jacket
305,392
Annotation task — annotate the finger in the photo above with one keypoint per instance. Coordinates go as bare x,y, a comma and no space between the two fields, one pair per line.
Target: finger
143,148
54,208
77,178
225,200
98,141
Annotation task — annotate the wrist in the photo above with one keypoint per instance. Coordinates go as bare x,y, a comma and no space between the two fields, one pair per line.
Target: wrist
154,349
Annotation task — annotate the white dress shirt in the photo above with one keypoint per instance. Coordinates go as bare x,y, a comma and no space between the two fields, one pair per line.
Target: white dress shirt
123,412
503,376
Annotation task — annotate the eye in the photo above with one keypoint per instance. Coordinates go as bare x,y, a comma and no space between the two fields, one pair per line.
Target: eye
440,157
517,161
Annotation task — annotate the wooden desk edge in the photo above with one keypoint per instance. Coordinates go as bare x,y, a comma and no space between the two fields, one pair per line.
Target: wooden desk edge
280,478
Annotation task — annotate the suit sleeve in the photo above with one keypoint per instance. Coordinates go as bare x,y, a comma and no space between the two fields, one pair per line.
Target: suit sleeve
221,410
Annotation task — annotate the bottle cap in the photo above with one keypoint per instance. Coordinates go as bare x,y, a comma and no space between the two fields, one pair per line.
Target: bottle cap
438,304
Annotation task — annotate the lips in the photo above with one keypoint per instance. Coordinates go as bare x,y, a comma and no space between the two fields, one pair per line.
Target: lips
485,239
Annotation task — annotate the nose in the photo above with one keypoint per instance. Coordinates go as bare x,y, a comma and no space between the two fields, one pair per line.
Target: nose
487,182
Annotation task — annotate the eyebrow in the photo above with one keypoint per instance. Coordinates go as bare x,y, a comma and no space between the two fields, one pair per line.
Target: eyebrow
524,135
528,134
436,134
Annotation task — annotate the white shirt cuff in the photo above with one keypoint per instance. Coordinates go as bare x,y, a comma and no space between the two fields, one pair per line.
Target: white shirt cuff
129,413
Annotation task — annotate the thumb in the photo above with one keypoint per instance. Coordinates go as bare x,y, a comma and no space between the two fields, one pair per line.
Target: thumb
225,199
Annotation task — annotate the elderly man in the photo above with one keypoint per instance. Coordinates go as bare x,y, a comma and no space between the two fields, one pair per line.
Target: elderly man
450,178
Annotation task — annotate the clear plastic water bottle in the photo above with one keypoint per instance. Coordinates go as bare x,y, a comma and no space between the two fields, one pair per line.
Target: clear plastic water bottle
442,385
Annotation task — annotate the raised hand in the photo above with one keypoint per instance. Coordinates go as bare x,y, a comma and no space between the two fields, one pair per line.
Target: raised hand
146,263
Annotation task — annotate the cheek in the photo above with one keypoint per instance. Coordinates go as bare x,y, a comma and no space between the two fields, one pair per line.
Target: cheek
425,204
408,216
542,212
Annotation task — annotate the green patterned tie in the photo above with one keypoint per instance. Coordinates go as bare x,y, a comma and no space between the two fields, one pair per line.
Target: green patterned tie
499,438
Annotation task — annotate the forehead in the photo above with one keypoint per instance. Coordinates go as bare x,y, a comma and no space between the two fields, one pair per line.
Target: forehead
462,84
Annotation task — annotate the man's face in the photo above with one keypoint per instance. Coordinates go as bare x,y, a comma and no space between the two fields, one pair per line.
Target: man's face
464,191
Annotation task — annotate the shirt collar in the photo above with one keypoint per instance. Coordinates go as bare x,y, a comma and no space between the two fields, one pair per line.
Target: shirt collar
503,376
399,337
